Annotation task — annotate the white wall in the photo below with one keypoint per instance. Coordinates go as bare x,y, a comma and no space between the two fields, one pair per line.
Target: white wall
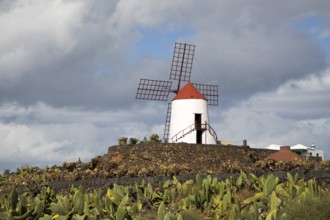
313,153
183,115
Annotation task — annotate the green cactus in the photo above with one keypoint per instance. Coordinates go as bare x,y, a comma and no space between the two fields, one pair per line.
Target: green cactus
124,200
167,184
222,189
187,202
226,200
199,181
167,216
132,210
121,213
110,207
279,189
210,198
114,198
269,184
78,202
148,191
119,190
175,180
273,205
39,208
214,183
179,188
22,217
166,197
255,210
179,216
172,194
290,178
62,207
86,205
161,211
235,212
13,199
79,217
5,215
23,205
239,181
184,188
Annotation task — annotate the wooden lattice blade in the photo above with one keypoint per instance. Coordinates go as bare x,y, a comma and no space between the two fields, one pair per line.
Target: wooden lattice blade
210,92
167,122
182,61
157,90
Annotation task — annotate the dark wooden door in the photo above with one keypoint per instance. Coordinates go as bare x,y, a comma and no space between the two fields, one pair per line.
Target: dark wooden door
198,127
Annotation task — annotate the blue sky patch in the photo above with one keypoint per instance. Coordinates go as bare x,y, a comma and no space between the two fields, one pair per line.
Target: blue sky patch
314,26
159,43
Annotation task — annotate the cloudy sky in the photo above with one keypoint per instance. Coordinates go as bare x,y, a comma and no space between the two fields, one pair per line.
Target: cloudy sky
69,70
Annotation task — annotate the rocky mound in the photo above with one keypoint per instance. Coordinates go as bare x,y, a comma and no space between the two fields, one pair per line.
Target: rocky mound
149,159
157,159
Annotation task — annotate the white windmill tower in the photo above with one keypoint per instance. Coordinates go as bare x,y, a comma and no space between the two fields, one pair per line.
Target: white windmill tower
187,117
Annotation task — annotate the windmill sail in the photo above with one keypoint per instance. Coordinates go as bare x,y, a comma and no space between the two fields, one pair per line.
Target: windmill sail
210,92
153,89
181,69
167,122
182,61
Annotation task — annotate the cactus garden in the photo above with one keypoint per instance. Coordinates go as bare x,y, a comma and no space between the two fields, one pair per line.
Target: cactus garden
244,197
191,189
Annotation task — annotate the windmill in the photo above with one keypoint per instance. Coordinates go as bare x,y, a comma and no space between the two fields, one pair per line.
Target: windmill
187,113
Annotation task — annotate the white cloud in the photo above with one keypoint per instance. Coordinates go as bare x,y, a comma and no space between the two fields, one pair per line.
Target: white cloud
263,128
68,79
148,13
305,98
24,144
296,112
36,32
44,135
78,53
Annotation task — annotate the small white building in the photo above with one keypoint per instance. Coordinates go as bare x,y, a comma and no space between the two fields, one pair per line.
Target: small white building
307,151
300,149
189,118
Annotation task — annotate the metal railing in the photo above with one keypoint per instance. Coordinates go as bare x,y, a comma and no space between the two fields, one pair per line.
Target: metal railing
212,132
193,127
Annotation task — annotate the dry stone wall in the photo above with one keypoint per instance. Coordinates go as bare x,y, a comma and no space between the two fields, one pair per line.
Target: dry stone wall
157,162
159,159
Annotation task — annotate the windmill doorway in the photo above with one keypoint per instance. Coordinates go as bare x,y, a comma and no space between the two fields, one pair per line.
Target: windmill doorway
198,127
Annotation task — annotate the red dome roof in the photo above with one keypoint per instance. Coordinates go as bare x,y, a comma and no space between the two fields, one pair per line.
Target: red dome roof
285,154
189,92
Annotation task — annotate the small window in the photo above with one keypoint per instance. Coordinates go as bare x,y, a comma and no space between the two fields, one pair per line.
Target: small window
317,154
310,154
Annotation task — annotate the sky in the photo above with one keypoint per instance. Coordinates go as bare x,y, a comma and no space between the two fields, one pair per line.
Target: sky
69,71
